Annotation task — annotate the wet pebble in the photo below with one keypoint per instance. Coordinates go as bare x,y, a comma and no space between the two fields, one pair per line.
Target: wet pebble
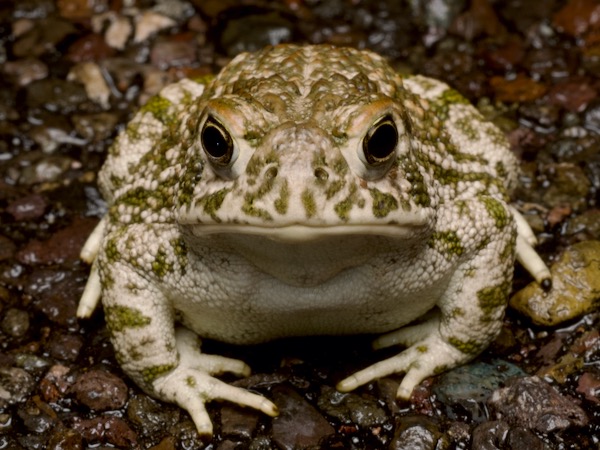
350,408
90,75
575,287
25,71
95,127
43,37
89,47
173,52
567,184
7,248
64,347
65,439
299,424
464,391
106,430
56,383
55,95
37,416
517,90
238,423
150,416
585,226
16,385
417,432
63,246
573,94
532,403
15,322
589,385
577,17
150,23
100,390
30,207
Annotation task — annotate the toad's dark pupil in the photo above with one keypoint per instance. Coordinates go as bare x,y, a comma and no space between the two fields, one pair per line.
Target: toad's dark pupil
380,141
216,141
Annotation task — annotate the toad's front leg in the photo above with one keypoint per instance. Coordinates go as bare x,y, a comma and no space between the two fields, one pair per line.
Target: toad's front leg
165,362
469,314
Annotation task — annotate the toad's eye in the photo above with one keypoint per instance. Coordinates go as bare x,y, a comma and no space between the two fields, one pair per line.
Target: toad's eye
380,141
217,142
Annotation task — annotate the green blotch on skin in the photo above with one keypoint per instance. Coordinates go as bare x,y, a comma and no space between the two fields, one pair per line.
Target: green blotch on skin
204,79
160,108
111,250
493,298
334,187
119,318
440,369
190,381
161,266
256,164
447,243
469,347
497,211
422,349
383,203
249,209
282,203
150,374
211,203
308,201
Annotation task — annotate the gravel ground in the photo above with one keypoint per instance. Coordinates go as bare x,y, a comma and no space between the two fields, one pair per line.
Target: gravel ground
72,72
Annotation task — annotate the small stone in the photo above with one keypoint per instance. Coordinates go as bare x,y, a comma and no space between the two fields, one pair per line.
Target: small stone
63,246
350,408
573,94
479,19
149,23
589,386
90,47
95,127
417,432
575,287
96,87
298,425
7,248
466,389
577,17
520,438
56,383
15,322
239,423
532,403
64,347
106,429
490,435
173,52
65,439
151,417
568,184
518,90
100,390
16,385
25,71
30,207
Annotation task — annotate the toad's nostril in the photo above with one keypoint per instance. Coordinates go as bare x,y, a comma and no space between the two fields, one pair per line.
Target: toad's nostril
271,173
321,174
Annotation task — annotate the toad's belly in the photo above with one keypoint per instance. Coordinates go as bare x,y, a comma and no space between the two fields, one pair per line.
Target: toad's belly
268,309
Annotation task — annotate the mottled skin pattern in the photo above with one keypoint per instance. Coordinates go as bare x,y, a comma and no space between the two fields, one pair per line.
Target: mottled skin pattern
297,231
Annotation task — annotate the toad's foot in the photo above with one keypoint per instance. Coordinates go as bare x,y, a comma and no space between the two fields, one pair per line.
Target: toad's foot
191,384
428,354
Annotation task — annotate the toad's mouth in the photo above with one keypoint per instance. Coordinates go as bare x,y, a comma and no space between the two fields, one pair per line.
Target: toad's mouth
298,233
